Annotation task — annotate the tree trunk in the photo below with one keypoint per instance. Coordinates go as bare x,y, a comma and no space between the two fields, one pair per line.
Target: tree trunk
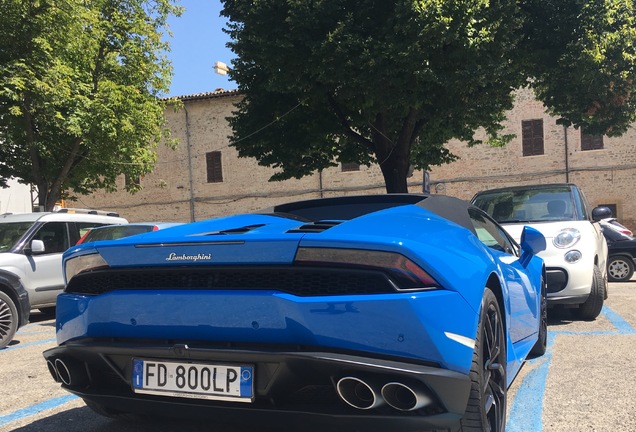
394,157
395,172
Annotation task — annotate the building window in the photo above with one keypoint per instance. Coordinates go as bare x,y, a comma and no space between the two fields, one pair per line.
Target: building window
350,166
532,137
132,182
591,142
214,167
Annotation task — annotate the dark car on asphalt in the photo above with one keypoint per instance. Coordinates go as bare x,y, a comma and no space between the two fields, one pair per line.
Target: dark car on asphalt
621,254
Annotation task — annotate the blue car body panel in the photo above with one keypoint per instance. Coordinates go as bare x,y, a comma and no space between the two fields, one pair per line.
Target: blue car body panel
435,326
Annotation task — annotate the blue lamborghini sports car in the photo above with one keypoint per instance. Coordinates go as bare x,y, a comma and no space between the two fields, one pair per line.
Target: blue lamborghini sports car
385,312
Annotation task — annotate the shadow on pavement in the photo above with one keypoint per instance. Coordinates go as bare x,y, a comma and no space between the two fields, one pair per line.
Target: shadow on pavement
559,316
38,317
84,420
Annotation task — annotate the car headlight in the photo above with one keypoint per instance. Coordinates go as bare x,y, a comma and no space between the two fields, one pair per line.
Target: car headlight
83,263
566,238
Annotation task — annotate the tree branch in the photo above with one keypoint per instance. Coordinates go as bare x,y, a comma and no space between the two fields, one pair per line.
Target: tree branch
347,126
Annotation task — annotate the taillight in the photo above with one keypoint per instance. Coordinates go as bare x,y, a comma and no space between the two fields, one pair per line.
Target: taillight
81,240
406,274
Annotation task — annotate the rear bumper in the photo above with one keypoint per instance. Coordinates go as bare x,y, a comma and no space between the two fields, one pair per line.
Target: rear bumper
288,385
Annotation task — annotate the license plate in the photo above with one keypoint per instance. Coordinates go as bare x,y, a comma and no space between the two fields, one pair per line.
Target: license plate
193,380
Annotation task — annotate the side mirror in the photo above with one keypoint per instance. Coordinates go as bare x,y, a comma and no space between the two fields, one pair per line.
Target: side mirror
36,247
532,241
601,212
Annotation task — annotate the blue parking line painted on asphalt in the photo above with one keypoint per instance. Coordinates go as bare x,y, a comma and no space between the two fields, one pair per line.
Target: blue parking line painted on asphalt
526,411
25,345
617,321
34,409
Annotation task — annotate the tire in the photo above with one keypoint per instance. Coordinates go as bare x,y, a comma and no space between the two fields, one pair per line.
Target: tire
541,345
8,319
591,308
112,413
486,410
620,268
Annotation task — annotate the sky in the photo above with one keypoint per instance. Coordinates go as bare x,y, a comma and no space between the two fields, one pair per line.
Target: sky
198,42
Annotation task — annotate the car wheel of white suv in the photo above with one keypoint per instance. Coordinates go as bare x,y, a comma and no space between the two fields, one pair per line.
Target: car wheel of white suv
592,307
8,319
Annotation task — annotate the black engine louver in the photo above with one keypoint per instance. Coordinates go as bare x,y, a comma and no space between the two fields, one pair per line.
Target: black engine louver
314,227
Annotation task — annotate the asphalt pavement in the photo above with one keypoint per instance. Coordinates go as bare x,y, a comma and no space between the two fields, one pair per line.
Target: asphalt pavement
584,383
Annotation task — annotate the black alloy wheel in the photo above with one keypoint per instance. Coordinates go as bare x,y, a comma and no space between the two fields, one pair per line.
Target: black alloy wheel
486,410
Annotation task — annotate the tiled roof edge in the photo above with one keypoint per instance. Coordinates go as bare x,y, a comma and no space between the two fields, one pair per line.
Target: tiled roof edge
218,93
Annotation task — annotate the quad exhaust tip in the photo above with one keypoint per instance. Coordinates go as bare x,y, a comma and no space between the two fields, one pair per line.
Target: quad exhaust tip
63,371
405,398
53,371
367,394
68,372
358,393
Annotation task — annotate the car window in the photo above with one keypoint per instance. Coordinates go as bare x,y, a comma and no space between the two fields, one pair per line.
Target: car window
11,232
491,234
531,205
84,227
116,232
586,209
54,235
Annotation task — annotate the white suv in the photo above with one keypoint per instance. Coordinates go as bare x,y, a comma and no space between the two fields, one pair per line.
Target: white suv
576,252
31,248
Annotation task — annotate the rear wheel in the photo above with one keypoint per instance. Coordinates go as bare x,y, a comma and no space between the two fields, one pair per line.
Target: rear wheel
620,268
8,319
592,307
486,410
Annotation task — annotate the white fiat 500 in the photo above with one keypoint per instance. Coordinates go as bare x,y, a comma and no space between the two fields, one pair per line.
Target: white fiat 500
576,252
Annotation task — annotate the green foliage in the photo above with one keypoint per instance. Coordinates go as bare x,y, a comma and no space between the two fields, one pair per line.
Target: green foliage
582,57
392,81
80,86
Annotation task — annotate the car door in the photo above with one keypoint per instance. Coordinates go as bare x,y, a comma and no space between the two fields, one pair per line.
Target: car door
523,299
44,270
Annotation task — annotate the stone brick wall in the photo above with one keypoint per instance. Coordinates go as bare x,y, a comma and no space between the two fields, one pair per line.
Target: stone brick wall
177,190
606,176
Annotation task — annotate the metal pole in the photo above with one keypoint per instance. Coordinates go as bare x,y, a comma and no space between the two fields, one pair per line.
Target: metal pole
567,162
187,125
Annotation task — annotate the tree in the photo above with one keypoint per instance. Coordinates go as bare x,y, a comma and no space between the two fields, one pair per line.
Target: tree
80,82
391,82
